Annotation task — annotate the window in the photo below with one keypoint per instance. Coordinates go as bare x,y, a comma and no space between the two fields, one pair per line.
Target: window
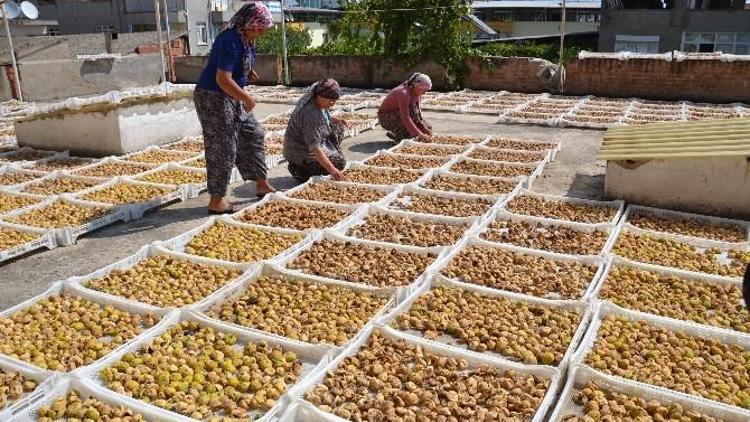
105,28
647,44
708,42
202,33
53,31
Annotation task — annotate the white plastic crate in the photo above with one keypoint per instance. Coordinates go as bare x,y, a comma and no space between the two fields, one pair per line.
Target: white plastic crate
303,411
701,245
595,262
179,242
138,209
353,209
190,190
404,198
151,250
617,205
273,271
539,156
502,215
30,164
604,309
533,170
192,162
12,192
11,169
29,410
45,381
401,292
45,239
352,165
446,149
696,218
553,146
389,192
578,306
616,261
474,360
467,139
580,376
61,287
446,161
112,160
5,155
518,182
313,357
178,155
55,175
470,223
65,236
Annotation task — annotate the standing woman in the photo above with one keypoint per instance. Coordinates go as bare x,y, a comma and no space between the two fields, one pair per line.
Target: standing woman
400,113
231,133
312,142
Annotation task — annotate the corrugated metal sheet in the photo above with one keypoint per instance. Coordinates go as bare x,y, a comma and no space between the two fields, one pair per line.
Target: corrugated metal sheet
707,138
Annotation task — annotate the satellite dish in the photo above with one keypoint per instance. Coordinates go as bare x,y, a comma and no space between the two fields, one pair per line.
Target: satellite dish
12,9
29,10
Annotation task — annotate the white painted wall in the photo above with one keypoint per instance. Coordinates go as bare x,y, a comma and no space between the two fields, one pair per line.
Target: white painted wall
318,32
120,131
528,28
718,186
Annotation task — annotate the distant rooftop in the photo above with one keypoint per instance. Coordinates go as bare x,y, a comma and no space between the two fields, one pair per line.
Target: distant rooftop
536,4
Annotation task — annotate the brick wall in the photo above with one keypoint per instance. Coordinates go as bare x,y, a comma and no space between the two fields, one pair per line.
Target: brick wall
698,80
509,74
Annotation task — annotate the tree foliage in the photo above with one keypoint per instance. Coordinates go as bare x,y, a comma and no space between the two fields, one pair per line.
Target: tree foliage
298,40
406,30
547,51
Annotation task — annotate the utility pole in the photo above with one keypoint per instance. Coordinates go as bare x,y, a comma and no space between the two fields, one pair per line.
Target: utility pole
12,52
562,49
169,42
161,42
283,40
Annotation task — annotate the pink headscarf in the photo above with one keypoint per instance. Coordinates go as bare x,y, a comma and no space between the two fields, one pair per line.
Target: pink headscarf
251,16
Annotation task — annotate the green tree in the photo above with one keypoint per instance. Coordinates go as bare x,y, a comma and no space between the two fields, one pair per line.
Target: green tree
298,40
547,51
406,30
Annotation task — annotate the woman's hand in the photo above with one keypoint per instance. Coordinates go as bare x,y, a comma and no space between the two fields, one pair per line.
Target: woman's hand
253,77
249,103
338,121
423,137
338,175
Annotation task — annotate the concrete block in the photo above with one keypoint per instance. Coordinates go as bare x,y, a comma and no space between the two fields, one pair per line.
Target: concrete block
116,131
53,79
708,185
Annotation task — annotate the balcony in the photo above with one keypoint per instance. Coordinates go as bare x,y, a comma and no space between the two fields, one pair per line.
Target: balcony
146,6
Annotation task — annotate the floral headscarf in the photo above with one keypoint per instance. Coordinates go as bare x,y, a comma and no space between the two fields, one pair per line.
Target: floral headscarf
326,88
421,80
252,15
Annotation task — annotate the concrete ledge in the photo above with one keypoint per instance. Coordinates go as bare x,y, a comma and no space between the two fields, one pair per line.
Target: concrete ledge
51,79
714,186
112,131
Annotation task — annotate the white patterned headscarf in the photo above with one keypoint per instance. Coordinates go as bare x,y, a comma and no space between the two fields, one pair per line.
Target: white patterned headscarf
420,80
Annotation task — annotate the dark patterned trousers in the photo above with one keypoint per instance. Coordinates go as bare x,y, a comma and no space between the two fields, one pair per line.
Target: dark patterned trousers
231,137
303,171
391,122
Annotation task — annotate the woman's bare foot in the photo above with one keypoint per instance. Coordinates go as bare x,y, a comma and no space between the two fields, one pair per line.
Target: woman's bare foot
218,204
262,187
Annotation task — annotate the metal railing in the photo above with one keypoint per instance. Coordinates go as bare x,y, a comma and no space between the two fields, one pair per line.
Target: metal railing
144,6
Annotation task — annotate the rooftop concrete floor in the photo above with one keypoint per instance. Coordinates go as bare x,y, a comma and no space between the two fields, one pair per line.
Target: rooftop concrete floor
575,172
